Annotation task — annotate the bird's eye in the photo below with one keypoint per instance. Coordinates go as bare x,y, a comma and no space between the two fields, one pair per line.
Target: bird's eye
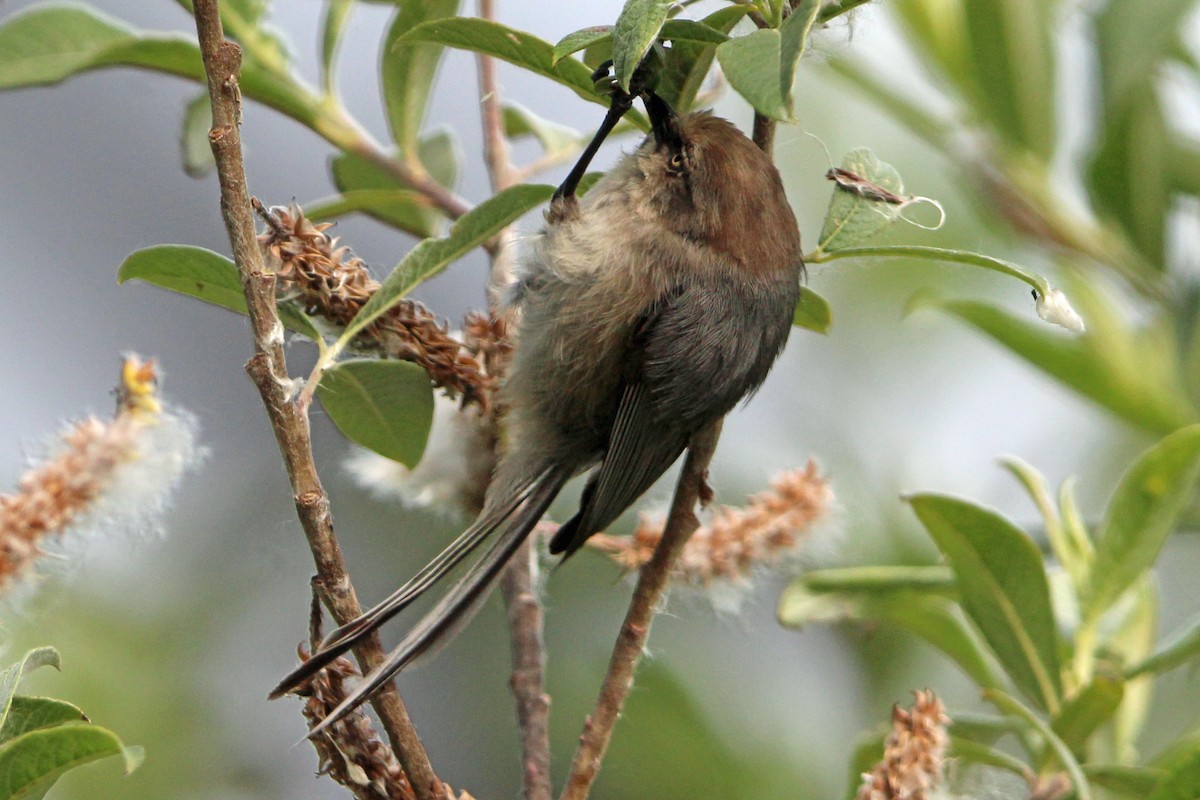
677,163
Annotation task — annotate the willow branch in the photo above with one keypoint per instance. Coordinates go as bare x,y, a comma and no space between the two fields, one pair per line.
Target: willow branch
268,369
631,641
525,614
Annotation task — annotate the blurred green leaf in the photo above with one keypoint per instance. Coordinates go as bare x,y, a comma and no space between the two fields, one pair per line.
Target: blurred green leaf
1129,178
812,312
1010,45
1088,364
852,218
34,713
385,406
1128,635
408,69
1084,713
973,752
32,762
672,726
11,675
761,66
1131,40
1142,514
1001,578
205,275
1182,782
520,122
867,753
193,138
366,201
431,256
636,30
870,580
516,47
438,150
908,597
47,43
1180,648
337,14
1122,780
402,208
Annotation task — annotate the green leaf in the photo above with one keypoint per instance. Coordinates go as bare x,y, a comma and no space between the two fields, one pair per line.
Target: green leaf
516,47
47,43
32,762
812,312
636,30
431,256
580,40
673,30
1001,578
1087,365
12,675
1130,179
874,580
1124,781
751,65
761,66
408,69
1183,646
1131,41
34,713
1182,782
520,122
439,152
337,14
973,752
193,138
403,209
867,752
365,201
1084,713
908,597
1010,44
385,406
688,61
1142,514
853,218
205,275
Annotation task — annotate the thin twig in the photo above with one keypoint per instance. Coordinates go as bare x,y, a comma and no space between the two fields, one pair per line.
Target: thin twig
631,641
525,617
268,369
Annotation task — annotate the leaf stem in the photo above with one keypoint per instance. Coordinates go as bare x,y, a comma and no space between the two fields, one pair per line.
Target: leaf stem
934,254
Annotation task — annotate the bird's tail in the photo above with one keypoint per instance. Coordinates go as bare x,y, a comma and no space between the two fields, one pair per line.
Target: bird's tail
512,518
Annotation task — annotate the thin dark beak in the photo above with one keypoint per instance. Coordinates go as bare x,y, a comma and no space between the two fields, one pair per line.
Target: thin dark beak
664,122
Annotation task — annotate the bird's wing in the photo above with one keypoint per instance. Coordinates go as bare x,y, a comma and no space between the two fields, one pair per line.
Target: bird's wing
697,351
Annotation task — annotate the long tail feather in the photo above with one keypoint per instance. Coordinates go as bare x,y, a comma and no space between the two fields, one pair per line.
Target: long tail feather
454,610
350,634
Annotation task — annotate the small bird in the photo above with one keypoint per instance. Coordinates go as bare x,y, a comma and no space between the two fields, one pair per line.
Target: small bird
648,309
